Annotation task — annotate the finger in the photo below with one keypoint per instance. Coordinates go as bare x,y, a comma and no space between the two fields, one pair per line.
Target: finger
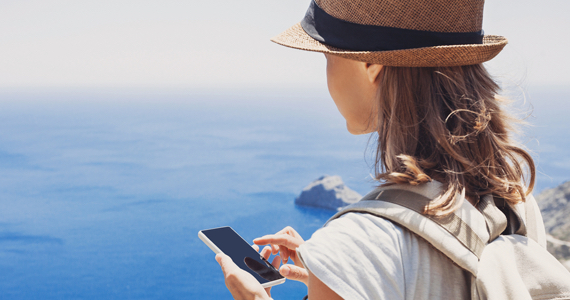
294,273
279,239
264,240
256,247
275,248
282,240
276,262
290,231
226,263
284,253
266,252
287,230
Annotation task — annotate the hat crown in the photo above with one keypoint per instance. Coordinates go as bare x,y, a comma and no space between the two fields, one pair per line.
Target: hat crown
426,15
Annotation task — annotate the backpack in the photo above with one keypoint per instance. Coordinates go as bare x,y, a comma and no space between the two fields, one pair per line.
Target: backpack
503,248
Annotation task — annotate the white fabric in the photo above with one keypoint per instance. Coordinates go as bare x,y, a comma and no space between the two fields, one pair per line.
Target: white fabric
516,267
360,256
439,237
539,223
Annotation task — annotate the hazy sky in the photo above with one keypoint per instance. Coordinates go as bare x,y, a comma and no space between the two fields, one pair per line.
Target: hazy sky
188,44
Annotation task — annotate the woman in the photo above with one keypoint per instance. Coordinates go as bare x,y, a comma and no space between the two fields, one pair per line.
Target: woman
410,71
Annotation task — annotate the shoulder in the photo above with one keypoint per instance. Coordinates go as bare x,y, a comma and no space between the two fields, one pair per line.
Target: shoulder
359,256
359,226
356,235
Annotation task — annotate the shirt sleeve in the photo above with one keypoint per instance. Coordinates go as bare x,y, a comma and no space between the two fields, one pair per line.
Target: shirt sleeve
358,256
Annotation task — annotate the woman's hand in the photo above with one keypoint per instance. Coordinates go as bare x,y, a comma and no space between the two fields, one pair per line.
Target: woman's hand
286,242
240,283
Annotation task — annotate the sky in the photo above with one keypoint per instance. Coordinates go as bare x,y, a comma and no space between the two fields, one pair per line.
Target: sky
225,43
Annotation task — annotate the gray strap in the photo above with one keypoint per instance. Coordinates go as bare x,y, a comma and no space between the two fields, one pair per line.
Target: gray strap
416,202
516,222
530,218
494,218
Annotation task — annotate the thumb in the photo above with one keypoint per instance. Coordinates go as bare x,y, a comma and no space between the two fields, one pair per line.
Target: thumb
226,263
295,273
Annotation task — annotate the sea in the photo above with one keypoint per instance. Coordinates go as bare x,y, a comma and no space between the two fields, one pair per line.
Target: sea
103,191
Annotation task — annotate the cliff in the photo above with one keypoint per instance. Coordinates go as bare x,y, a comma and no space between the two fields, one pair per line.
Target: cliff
555,208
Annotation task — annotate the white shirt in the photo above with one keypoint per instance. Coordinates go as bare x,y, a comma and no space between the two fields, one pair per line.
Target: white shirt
361,256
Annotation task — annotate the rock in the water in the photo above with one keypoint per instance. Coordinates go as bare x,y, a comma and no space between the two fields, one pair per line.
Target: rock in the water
327,192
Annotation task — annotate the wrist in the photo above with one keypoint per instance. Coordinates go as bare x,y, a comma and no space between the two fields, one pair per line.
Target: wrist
264,296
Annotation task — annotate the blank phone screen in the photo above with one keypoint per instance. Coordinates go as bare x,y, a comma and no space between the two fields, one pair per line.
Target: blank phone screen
243,255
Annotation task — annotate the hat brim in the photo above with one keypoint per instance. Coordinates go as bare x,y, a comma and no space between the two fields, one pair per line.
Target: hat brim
438,56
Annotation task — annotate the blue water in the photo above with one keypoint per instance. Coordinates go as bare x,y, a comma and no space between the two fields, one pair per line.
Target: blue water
102,193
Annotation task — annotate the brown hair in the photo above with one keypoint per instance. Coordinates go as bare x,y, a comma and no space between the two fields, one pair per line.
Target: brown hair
447,124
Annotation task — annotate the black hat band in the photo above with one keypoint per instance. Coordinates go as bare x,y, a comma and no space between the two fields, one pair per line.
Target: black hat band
358,37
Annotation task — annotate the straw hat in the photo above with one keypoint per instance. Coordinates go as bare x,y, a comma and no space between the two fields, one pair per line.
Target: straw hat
405,33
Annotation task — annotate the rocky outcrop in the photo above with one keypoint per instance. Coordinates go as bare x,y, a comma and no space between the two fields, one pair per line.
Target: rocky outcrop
327,192
555,208
560,249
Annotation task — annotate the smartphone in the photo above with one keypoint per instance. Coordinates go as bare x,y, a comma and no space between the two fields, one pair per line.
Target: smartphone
226,240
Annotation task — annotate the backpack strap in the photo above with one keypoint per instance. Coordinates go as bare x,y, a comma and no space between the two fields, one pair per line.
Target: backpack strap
495,219
530,217
460,235
450,234
525,219
533,220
